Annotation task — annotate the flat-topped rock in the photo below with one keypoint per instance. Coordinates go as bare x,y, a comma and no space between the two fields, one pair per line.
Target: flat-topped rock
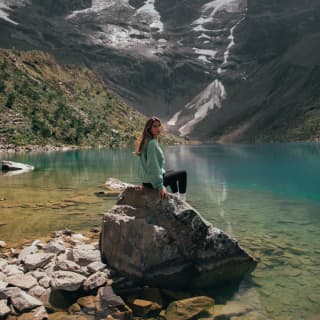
167,243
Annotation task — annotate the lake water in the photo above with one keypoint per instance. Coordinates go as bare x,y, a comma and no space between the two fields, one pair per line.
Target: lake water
266,196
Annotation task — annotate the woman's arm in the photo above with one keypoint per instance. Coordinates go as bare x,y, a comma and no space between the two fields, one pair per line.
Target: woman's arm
155,163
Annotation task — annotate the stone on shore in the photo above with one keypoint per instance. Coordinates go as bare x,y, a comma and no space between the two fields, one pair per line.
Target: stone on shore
166,243
109,304
39,313
15,167
2,244
84,254
37,260
142,307
28,250
41,279
67,280
20,299
188,309
4,309
22,281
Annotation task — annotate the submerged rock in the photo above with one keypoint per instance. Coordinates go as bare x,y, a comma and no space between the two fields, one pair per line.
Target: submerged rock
167,243
190,308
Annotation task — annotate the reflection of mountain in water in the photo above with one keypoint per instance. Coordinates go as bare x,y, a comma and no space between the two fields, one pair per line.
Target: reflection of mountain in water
211,177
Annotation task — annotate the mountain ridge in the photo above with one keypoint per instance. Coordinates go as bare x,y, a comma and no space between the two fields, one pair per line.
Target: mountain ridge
43,102
162,56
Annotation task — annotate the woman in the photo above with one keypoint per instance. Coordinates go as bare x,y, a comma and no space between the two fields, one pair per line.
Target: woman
152,162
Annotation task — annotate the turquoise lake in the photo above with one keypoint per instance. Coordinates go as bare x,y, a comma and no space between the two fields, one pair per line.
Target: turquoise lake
267,196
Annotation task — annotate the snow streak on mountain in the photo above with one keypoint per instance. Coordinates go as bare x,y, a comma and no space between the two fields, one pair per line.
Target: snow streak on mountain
210,98
5,8
120,24
213,95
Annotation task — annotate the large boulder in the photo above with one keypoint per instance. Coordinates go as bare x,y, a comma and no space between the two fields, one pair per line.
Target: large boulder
167,243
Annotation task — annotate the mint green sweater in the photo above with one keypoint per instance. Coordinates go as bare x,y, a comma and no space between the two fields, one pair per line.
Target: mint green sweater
152,164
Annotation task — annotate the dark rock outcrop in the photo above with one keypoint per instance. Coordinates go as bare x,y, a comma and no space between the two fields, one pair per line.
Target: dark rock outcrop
167,243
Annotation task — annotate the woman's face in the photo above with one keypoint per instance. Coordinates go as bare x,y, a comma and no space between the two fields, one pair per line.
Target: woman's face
156,129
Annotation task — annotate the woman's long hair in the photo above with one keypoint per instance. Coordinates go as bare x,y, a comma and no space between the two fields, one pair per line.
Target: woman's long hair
146,134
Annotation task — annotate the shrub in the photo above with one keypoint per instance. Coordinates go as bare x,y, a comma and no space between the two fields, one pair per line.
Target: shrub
27,91
10,101
2,86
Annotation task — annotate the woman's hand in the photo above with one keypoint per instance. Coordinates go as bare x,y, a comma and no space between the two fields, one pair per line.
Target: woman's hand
163,193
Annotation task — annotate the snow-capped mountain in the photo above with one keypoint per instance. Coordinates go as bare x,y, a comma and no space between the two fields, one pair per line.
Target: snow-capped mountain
208,68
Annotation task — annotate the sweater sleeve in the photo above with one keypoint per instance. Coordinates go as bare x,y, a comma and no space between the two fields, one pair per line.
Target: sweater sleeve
155,163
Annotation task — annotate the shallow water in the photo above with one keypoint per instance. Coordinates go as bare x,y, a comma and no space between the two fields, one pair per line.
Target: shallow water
266,196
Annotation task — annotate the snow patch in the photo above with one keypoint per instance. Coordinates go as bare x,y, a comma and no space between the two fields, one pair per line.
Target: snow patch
174,119
231,43
100,5
205,52
5,8
204,36
211,97
209,10
213,7
124,36
152,17
203,59
119,37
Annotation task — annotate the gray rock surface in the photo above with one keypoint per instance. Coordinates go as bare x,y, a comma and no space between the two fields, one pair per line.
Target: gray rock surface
67,280
3,264
84,254
39,313
96,280
22,281
37,260
168,243
3,284
33,280
20,299
4,309
29,250
54,246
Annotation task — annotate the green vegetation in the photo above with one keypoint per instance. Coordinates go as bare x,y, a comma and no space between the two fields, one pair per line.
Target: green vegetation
42,102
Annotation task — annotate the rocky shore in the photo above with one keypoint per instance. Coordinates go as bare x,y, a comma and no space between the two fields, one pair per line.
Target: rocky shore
73,276
64,278
11,148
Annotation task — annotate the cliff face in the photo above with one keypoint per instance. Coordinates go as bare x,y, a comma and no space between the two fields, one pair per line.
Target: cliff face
228,70
278,99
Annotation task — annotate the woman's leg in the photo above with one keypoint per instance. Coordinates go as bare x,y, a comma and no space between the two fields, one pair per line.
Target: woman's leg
177,180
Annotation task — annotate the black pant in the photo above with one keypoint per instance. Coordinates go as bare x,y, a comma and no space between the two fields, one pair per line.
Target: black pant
177,180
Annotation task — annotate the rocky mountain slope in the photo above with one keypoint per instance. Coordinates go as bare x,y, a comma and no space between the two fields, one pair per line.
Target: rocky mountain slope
222,70
42,102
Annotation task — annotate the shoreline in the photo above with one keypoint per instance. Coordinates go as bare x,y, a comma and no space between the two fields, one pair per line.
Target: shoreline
67,256
10,148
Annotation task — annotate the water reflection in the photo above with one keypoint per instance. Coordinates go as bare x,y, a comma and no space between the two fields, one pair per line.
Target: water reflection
202,170
205,177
